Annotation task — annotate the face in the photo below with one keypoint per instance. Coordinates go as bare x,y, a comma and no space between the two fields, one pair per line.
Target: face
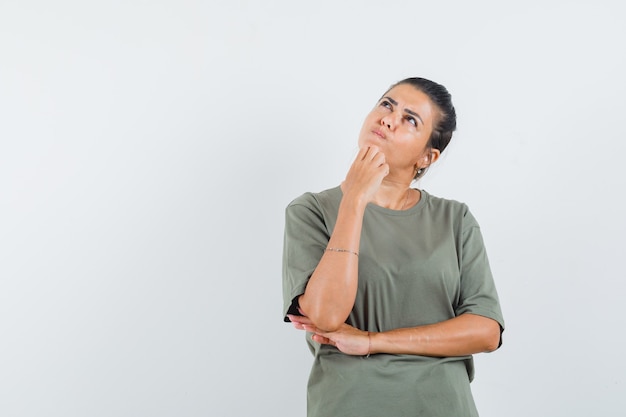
400,126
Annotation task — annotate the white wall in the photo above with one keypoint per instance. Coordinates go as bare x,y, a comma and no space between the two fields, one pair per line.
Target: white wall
148,149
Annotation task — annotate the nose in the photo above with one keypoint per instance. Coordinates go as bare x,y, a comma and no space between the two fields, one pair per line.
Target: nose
389,120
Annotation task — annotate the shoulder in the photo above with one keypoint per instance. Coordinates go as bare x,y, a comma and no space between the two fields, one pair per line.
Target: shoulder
322,200
443,204
450,208
313,210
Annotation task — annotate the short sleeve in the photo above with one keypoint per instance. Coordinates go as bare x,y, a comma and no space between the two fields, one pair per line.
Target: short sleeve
478,293
305,239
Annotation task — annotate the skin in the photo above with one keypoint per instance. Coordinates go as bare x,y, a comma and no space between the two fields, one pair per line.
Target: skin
392,146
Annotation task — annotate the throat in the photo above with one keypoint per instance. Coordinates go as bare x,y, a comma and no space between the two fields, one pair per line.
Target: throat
401,202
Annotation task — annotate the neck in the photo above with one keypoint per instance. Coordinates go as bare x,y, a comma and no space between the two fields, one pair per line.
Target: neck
393,195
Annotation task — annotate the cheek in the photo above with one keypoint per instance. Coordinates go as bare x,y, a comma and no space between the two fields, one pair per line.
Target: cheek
414,147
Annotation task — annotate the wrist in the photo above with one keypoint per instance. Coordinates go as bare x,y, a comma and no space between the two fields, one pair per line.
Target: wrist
353,204
371,343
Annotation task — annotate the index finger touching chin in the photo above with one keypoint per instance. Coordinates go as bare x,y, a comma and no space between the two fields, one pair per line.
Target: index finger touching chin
371,152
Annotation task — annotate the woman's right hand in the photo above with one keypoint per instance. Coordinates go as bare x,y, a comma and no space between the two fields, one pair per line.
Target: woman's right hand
366,174
331,290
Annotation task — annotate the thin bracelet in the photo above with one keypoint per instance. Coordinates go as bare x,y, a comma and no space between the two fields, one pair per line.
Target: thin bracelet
343,250
369,345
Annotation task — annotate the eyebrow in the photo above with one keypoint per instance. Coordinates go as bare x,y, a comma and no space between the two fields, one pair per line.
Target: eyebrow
411,112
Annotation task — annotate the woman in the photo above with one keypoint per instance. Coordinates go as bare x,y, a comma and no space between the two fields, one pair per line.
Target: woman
391,284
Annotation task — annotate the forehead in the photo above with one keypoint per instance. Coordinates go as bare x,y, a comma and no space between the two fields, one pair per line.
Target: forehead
409,97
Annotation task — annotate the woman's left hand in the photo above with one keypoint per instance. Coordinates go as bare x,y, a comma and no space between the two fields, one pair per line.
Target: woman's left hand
347,339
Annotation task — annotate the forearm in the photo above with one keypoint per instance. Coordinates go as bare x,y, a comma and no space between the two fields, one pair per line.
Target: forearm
463,335
331,290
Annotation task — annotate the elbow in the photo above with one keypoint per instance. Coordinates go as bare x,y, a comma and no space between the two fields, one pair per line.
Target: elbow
484,331
492,345
327,322
492,338
324,318
331,325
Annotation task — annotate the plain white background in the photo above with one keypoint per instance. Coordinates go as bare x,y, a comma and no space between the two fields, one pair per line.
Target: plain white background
148,150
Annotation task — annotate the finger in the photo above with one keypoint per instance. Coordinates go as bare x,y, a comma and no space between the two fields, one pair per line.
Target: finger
296,322
370,153
362,152
310,328
299,319
385,169
379,159
322,340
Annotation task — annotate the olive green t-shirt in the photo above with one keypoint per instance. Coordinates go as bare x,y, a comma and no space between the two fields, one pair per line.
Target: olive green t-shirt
418,266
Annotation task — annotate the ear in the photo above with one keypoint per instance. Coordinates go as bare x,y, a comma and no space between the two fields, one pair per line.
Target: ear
434,155
430,157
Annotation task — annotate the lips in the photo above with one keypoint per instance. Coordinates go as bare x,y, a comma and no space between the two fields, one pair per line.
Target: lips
379,133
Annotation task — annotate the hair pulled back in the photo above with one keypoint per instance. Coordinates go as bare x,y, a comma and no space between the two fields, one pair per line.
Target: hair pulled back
445,123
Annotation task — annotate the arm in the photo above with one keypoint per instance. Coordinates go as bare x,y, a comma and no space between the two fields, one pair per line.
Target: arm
463,335
331,290
460,336
475,328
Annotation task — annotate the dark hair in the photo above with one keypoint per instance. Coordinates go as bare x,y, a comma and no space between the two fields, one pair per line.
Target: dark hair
445,124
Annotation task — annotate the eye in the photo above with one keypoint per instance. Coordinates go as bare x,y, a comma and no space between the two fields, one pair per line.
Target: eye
412,120
385,104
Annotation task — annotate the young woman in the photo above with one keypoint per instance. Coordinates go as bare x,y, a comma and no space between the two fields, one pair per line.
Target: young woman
391,284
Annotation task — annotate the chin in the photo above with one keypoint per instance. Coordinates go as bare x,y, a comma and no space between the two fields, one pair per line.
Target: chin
371,139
